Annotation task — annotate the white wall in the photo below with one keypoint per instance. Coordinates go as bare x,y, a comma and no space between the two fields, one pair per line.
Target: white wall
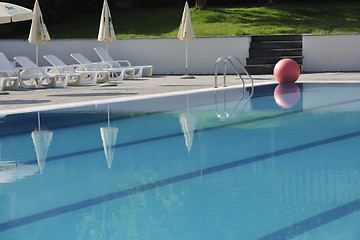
322,53
329,53
167,55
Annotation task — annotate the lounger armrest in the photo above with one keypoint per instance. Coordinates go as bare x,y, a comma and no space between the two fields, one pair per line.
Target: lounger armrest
50,69
124,63
9,73
33,71
78,67
66,68
95,66
113,64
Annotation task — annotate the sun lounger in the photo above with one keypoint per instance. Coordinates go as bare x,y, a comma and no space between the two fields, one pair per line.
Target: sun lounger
76,77
140,71
46,80
14,78
114,73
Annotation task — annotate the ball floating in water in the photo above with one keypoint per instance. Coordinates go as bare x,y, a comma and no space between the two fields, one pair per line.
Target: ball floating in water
286,71
287,95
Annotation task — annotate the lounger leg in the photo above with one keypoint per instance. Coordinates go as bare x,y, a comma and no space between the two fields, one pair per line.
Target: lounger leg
73,80
10,84
129,74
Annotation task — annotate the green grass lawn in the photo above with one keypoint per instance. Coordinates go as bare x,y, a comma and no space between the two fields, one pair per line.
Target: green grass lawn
247,20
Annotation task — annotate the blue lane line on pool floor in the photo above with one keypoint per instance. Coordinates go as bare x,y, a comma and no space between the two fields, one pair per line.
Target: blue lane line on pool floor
141,141
314,222
187,176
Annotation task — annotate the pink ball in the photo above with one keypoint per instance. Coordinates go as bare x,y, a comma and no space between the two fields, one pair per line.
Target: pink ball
286,71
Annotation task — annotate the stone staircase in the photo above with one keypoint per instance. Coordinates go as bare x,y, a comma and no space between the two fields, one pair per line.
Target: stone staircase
266,51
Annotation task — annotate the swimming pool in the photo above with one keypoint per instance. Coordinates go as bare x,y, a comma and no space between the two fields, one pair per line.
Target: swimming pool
283,164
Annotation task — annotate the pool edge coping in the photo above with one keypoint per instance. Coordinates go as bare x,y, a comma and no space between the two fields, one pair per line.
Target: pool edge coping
142,97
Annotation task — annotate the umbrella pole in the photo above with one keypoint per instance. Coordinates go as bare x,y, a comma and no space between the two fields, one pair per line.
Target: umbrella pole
186,76
107,83
107,62
186,55
37,54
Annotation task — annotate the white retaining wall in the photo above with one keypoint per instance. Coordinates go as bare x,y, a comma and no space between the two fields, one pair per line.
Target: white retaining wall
330,53
167,55
322,53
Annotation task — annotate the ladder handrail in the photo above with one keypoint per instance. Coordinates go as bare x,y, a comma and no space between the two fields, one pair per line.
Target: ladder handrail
229,59
243,67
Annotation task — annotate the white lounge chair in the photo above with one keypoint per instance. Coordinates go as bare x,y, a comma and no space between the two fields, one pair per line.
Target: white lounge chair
76,77
46,80
13,78
140,71
114,73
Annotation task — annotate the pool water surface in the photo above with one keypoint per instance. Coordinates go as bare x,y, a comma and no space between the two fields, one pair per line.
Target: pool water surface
281,162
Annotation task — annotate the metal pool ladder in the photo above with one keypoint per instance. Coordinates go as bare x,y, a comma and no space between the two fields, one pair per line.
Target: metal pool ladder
230,60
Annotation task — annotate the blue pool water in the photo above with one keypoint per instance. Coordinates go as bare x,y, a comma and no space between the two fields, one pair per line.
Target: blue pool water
283,164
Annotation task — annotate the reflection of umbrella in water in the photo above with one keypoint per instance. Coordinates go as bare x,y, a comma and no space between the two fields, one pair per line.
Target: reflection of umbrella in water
13,13
109,136
38,31
188,123
42,140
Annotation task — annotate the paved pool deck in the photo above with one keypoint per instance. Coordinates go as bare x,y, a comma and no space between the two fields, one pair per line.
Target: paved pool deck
25,100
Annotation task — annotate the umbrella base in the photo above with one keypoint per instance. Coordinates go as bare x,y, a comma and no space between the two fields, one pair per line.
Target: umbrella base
186,76
108,84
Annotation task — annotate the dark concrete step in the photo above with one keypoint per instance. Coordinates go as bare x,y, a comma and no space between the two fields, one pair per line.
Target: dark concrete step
262,38
275,52
276,45
260,69
271,60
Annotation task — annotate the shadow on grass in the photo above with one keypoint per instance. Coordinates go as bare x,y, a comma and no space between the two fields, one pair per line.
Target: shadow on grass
164,22
291,18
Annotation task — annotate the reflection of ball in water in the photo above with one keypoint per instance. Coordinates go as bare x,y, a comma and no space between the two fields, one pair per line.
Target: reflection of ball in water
286,71
287,95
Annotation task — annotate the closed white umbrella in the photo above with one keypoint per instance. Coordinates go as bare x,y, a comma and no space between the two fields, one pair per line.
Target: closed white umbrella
187,33
106,29
14,13
106,33
38,31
